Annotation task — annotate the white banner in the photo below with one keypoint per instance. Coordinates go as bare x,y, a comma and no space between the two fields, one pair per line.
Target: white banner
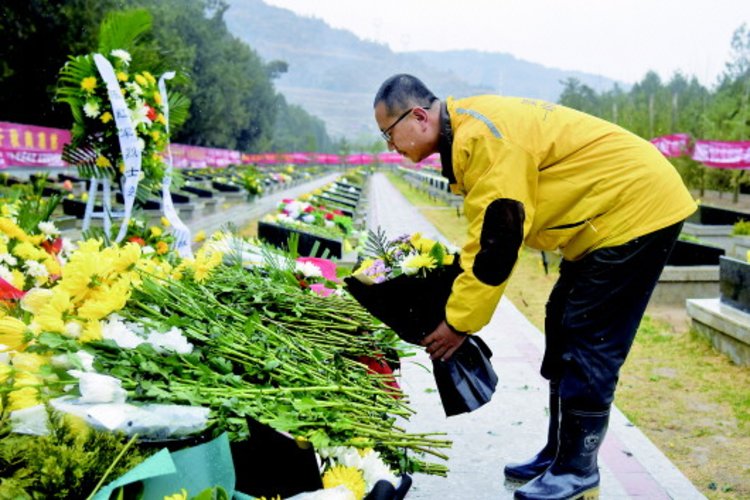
179,229
131,153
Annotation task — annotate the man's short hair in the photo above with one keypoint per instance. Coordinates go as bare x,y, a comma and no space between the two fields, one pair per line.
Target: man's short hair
403,91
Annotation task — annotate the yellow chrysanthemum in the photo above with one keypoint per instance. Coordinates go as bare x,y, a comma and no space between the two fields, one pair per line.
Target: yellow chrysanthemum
10,228
415,263
12,332
126,258
27,251
22,398
199,236
155,135
141,80
155,231
103,162
347,476
27,363
19,279
165,222
92,331
35,299
52,265
205,261
161,119
26,379
5,372
106,117
88,84
51,316
122,76
105,300
162,248
149,77
157,98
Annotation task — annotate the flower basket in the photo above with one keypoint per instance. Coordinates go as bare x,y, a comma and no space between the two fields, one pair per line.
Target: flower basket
413,307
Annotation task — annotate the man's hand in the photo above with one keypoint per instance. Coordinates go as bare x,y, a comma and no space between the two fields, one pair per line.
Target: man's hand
443,342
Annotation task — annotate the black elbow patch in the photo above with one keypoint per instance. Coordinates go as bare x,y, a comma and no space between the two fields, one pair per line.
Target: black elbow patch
501,238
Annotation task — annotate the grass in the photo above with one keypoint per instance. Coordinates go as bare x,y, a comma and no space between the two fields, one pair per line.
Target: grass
690,400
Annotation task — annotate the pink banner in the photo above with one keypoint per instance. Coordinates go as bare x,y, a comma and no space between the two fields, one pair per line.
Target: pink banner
672,145
199,157
723,154
31,146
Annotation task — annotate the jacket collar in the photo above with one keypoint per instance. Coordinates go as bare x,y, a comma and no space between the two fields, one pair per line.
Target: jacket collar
445,143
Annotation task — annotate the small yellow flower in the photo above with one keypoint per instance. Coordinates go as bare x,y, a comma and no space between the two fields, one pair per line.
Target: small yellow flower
347,476
88,84
200,236
165,221
161,119
155,135
155,231
122,76
162,248
106,117
157,98
149,77
103,162
140,80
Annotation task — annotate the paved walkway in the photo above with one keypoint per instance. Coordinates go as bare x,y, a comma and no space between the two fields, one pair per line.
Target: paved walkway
513,425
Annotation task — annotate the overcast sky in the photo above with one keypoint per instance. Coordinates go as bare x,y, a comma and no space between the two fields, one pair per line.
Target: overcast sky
620,39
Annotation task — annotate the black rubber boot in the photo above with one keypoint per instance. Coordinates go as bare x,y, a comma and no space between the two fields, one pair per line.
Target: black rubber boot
574,473
525,471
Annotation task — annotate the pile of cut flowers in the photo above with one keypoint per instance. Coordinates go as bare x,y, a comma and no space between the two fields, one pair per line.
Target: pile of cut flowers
110,341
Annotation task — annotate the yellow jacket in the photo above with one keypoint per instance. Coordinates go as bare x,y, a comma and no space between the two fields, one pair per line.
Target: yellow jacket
583,183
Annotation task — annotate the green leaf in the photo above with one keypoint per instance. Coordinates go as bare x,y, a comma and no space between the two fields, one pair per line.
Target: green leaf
122,29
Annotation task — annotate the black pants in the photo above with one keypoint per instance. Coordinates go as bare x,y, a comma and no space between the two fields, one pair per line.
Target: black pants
593,314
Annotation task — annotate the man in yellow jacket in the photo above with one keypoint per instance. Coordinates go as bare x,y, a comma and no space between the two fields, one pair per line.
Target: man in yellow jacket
552,178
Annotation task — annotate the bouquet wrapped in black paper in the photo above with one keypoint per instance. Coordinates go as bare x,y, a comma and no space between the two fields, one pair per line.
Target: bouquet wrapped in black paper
405,283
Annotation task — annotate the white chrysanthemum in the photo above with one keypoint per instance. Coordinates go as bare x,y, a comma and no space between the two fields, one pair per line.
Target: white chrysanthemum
134,89
308,269
98,388
73,360
36,269
49,228
115,329
73,329
173,340
374,469
91,109
8,259
122,55
139,114
6,274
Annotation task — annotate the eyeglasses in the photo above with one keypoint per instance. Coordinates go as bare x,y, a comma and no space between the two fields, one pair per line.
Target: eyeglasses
386,134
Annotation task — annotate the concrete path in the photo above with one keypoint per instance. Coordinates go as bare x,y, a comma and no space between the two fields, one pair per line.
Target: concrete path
513,425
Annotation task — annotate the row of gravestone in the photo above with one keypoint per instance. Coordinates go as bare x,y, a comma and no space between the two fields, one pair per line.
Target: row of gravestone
200,194
347,198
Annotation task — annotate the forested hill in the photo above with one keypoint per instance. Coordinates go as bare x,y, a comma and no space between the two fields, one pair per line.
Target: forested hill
334,75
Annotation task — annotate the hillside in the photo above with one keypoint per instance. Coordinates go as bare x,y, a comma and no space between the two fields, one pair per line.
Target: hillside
334,75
